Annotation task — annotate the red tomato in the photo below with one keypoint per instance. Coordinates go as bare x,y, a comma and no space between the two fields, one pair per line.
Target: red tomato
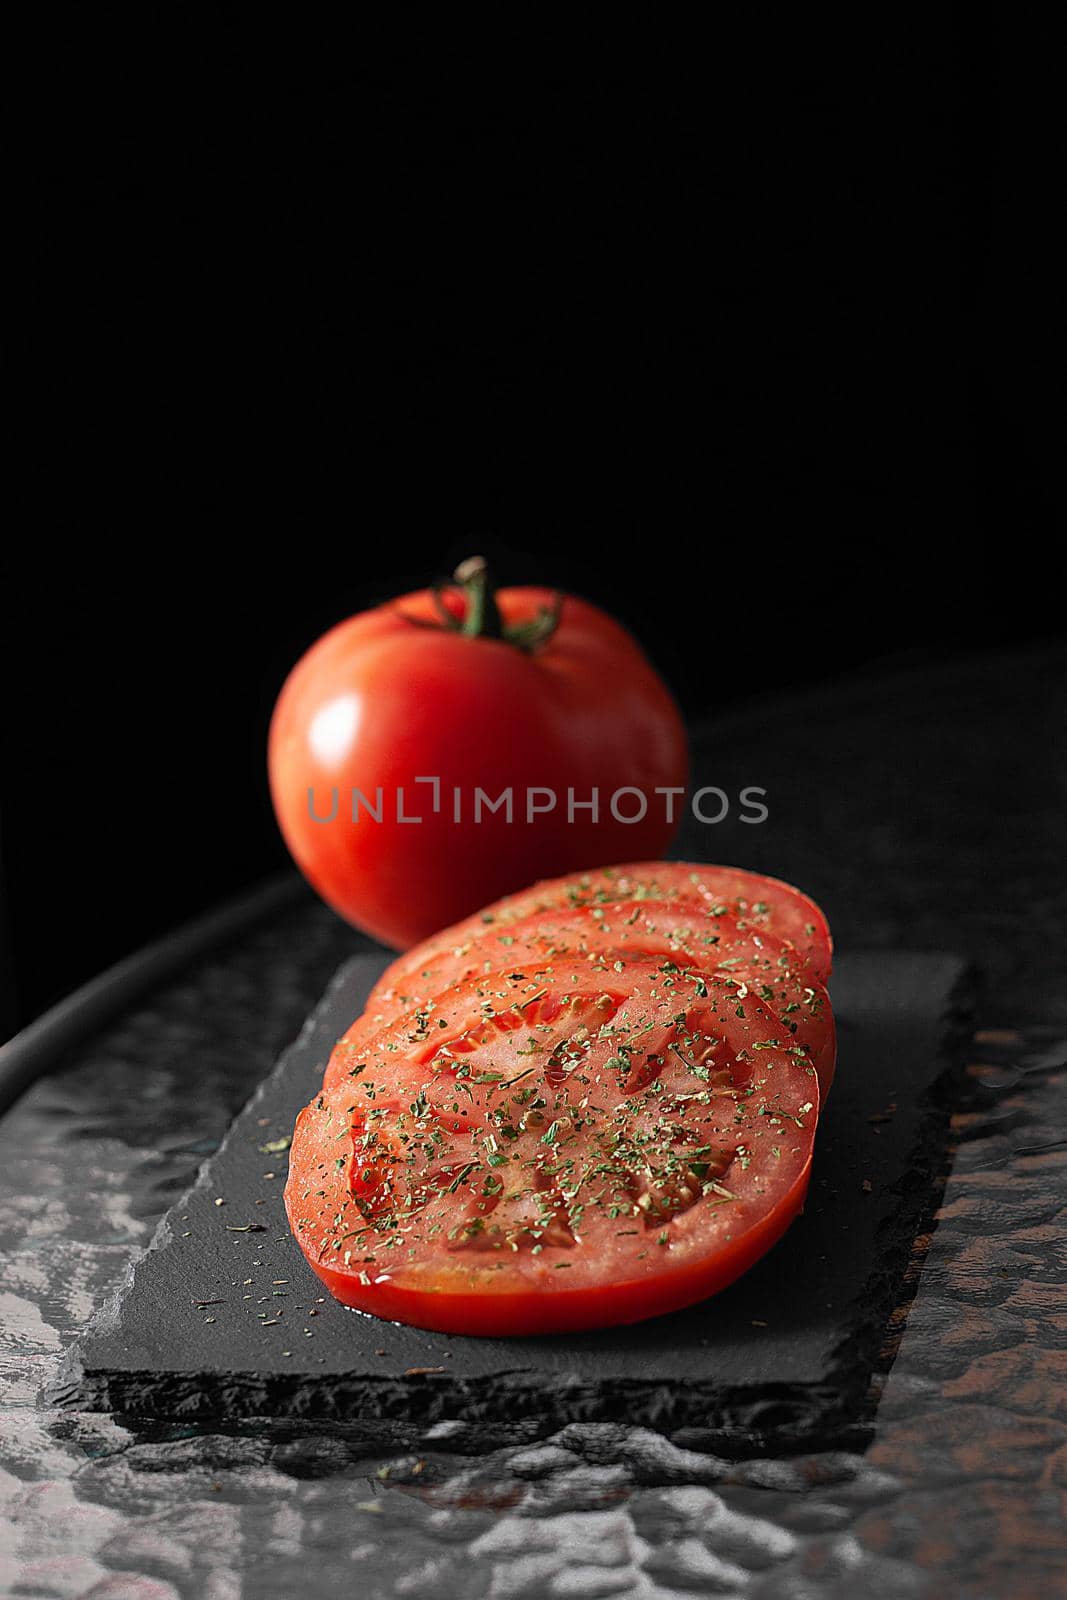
400,694
546,1154
610,938
760,905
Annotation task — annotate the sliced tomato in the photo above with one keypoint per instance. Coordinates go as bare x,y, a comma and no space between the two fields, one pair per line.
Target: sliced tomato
685,932
547,1155
474,1012
759,904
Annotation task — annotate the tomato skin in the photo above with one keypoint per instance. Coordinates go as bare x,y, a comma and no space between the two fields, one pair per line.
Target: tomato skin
388,697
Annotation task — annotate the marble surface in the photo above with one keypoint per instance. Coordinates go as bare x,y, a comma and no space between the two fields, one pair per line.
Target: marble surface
923,810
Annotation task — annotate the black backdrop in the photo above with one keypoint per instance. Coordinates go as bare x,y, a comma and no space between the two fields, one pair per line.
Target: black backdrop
717,330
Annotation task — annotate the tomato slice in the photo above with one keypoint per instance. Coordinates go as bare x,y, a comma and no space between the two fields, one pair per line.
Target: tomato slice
686,932
759,904
472,1012
550,1153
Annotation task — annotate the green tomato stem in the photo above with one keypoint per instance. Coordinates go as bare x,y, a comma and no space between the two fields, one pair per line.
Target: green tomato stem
481,615
482,618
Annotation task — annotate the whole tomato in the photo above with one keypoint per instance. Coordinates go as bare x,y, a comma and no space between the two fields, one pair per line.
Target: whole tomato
399,737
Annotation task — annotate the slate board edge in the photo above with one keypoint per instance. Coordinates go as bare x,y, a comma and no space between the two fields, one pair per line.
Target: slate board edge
919,1203
781,1417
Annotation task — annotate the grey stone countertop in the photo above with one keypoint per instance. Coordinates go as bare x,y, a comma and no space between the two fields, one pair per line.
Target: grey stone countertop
924,809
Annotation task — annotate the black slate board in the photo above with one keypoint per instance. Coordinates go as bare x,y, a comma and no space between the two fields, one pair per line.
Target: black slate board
784,1356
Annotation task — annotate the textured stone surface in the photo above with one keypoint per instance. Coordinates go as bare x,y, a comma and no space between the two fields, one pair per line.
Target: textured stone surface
926,812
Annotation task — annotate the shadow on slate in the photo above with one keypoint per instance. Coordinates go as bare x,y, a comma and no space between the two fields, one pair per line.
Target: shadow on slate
215,1323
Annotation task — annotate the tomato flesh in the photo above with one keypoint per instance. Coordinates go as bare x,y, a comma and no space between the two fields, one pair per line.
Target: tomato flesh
686,932
761,905
542,1150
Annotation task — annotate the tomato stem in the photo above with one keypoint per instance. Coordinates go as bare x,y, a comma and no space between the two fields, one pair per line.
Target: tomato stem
481,615
482,618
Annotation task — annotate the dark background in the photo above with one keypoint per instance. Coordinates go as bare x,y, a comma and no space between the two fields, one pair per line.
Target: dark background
709,329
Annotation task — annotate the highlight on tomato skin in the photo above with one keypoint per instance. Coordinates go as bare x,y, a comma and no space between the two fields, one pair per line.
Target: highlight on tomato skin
468,689
545,1149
